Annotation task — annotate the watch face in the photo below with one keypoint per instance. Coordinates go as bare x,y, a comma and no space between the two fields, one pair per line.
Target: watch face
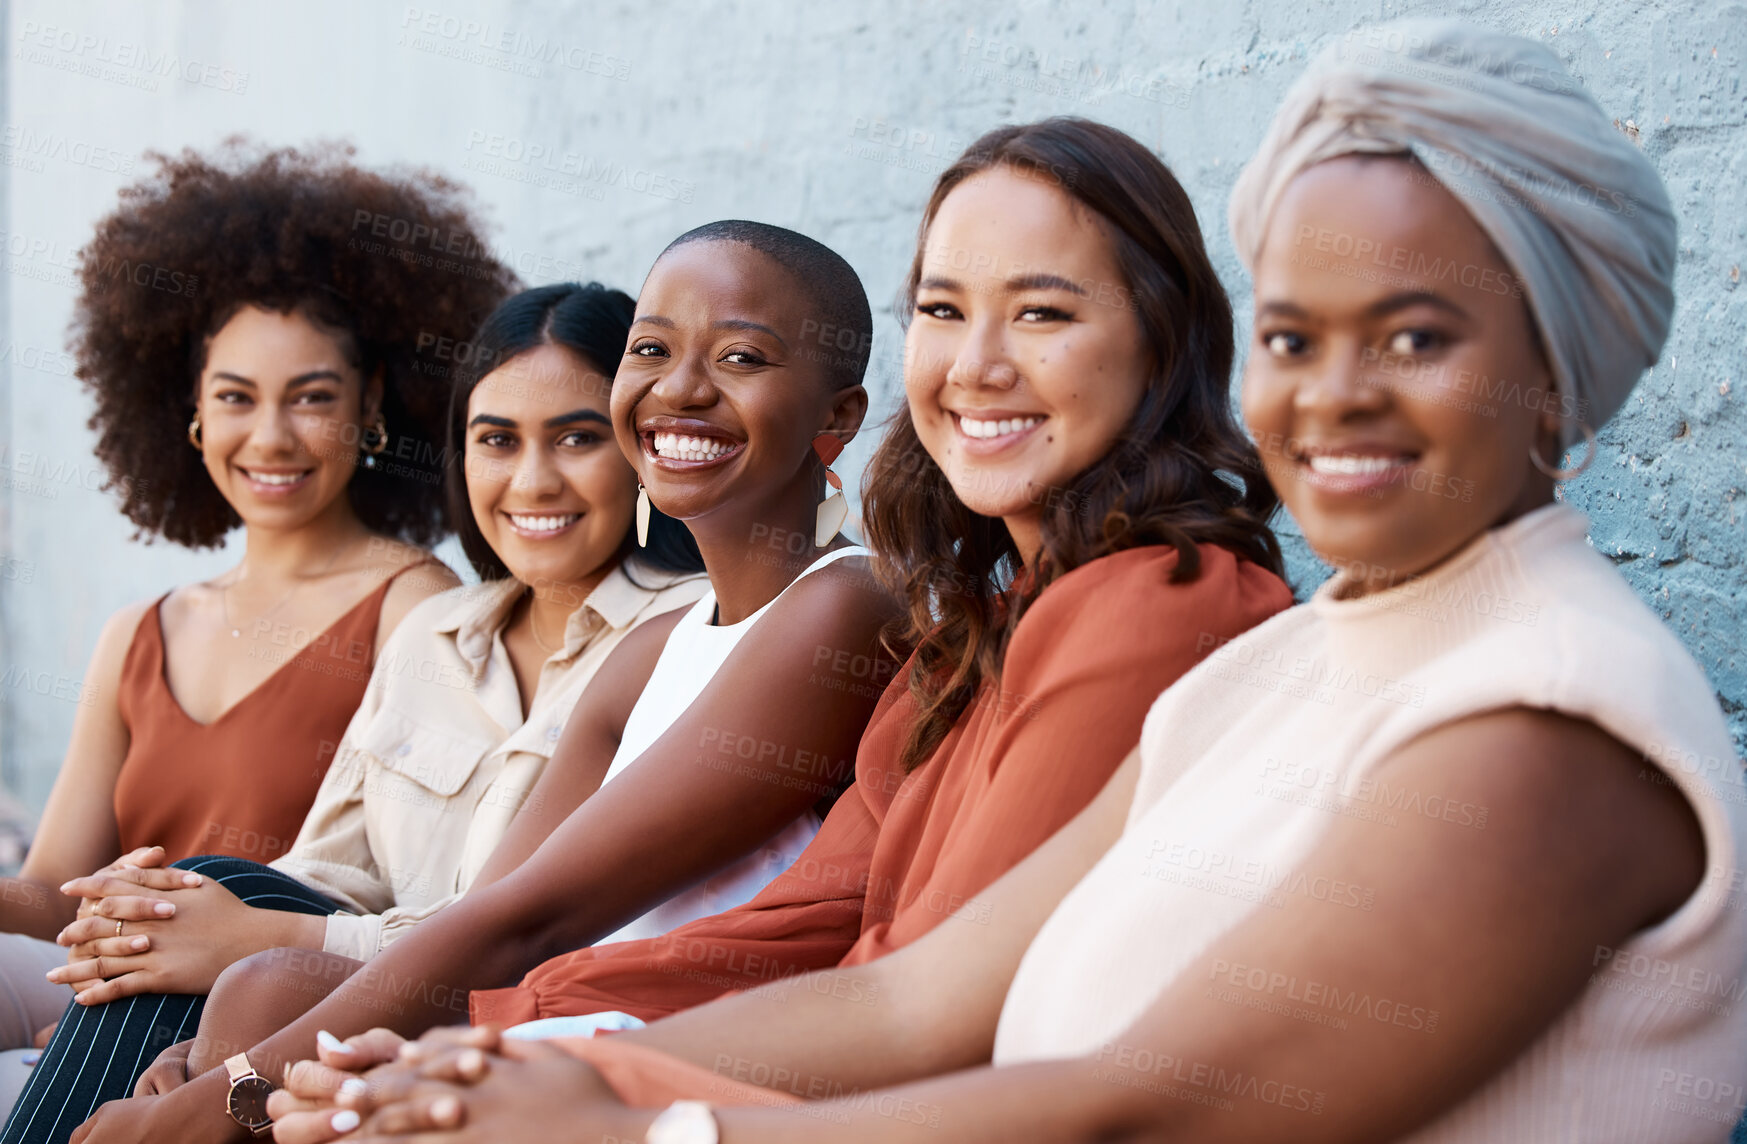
248,1101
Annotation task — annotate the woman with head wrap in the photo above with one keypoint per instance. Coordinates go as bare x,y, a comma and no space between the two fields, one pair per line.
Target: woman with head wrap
1452,852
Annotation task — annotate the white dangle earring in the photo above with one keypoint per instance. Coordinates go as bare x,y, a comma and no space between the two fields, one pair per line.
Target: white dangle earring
642,516
834,509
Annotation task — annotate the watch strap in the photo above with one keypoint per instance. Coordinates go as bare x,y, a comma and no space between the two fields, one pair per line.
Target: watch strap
238,1067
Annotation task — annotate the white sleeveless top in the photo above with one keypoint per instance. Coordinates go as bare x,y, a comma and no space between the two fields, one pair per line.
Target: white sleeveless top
694,653
1250,758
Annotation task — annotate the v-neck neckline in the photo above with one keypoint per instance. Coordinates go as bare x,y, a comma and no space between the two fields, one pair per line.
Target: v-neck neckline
164,660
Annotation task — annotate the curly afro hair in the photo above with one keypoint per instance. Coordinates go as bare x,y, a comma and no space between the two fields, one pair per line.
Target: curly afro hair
390,259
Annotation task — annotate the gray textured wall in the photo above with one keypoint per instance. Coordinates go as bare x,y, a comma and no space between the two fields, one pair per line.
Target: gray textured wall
827,116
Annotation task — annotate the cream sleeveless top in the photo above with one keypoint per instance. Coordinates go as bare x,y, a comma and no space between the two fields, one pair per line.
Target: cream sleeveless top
1251,756
695,651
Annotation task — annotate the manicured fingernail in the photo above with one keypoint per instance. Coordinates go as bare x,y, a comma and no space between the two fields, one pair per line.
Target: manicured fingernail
446,1110
191,879
140,942
345,1121
163,909
355,1086
330,1042
64,886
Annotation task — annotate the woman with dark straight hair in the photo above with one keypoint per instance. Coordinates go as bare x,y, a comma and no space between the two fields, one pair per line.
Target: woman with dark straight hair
591,323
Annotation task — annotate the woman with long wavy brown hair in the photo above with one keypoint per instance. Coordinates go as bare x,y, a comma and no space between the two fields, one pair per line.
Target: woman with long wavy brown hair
1178,473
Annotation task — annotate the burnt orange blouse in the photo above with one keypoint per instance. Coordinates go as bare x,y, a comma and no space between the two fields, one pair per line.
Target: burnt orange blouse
900,852
240,785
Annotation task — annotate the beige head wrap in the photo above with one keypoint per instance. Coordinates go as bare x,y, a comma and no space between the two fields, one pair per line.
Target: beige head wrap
1576,209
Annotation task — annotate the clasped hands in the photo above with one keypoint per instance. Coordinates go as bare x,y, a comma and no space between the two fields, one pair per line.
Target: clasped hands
178,931
462,1085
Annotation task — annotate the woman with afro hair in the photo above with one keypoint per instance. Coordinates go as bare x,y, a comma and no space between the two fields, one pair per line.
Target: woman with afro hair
257,328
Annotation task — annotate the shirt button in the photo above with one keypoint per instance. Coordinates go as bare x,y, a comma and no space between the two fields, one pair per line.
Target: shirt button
403,750
554,733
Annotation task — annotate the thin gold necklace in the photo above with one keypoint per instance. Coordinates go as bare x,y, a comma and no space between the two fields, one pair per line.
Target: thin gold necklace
535,628
224,596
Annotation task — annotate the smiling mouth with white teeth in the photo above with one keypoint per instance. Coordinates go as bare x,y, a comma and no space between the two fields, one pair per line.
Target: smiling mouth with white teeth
275,479
543,523
1349,465
1369,473
687,447
986,430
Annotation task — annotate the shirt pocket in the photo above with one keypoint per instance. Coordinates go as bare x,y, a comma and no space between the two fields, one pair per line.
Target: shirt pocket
418,827
441,760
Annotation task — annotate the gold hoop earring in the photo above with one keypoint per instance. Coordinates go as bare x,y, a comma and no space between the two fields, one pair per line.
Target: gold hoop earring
1566,474
194,431
374,440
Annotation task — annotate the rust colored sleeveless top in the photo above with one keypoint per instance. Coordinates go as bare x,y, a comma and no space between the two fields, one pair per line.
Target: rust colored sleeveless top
242,784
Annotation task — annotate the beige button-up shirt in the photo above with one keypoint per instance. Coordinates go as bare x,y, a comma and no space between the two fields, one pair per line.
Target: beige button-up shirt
438,759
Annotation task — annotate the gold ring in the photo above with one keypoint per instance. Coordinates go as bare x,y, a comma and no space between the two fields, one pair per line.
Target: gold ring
117,929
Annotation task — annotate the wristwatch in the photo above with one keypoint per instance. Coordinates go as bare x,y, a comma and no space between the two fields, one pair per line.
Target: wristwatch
247,1102
684,1122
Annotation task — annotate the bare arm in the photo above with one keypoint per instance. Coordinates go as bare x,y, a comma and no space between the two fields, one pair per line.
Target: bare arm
925,1009
210,928
410,589
77,834
592,734
693,803
120,898
1579,853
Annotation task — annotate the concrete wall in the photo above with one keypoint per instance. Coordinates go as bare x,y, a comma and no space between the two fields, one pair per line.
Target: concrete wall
826,116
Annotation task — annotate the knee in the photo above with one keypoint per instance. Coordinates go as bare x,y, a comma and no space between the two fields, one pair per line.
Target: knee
272,972
260,994
213,865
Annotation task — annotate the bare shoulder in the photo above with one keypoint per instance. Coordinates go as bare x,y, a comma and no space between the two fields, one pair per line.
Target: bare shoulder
645,641
1538,757
417,577
619,682
103,674
1584,803
117,633
844,591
